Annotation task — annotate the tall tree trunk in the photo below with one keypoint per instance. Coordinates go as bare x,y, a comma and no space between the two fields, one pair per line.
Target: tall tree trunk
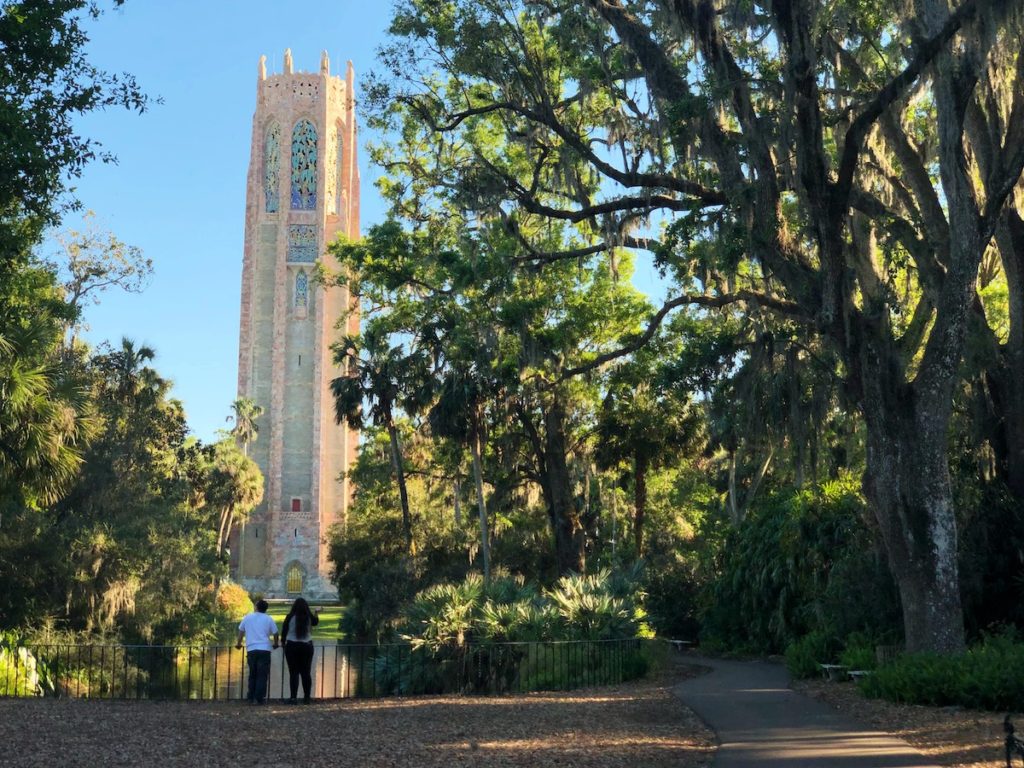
403,493
568,531
908,486
1011,246
640,467
478,476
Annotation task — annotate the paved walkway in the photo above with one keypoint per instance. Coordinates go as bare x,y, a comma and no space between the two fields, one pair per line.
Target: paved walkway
761,722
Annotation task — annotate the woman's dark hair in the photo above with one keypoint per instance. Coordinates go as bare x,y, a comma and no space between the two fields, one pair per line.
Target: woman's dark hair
301,615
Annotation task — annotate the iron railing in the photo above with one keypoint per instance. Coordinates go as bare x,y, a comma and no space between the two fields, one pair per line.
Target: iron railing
339,670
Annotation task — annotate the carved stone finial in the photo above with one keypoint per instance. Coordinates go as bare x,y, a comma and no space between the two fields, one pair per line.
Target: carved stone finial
263,67
287,61
325,64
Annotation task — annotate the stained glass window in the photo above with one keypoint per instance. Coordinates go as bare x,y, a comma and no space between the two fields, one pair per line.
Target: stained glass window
294,578
302,243
271,168
301,289
304,166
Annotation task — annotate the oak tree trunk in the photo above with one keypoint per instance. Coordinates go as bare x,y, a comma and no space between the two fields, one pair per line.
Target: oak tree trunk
908,487
568,531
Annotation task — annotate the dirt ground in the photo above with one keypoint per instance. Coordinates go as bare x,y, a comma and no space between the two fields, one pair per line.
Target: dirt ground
636,725
950,736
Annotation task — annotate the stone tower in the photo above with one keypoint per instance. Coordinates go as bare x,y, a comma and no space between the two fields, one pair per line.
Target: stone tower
302,191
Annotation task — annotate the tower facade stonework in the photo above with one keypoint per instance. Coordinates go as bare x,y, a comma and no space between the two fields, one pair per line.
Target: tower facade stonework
302,191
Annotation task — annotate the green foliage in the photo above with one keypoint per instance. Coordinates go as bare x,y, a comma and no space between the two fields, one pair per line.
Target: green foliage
804,655
20,671
795,565
47,83
859,653
989,676
233,601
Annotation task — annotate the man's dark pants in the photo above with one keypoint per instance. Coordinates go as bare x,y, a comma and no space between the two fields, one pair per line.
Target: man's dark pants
259,675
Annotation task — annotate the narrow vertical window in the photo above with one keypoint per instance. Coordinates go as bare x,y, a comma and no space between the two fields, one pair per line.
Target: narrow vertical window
339,164
271,168
304,166
301,290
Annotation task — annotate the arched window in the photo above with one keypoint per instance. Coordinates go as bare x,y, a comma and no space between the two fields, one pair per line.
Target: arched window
301,290
271,168
304,166
293,578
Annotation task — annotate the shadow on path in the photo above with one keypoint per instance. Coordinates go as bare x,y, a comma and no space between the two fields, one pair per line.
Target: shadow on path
761,722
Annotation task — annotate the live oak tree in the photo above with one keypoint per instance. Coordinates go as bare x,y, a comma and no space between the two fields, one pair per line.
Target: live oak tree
783,156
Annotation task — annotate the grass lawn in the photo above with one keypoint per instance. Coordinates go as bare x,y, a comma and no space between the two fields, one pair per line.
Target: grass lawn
327,629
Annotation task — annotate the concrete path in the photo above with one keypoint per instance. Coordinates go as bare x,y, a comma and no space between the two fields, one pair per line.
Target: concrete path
761,722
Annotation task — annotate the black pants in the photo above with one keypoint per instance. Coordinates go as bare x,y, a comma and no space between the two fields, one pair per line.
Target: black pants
300,659
259,675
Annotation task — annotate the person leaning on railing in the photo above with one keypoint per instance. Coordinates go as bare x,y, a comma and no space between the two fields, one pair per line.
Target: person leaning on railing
297,632
257,628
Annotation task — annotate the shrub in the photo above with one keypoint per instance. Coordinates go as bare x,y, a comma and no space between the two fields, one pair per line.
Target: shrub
989,676
233,601
19,673
801,561
859,652
804,655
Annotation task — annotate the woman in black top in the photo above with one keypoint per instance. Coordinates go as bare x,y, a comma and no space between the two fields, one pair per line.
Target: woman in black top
297,633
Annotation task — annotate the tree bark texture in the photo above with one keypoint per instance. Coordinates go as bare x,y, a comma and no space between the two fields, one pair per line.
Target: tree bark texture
478,476
908,486
403,493
568,531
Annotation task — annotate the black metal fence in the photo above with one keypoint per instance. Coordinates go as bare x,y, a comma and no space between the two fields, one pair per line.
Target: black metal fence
339,671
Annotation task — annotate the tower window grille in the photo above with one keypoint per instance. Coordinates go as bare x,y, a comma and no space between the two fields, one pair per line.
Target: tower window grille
304,166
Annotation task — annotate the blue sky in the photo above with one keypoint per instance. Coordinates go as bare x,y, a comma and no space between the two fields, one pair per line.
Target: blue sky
178,189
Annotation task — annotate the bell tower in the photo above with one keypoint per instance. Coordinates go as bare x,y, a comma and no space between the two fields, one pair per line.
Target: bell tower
302,191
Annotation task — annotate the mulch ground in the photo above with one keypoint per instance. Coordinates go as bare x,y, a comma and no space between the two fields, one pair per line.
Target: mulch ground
950,736
640,725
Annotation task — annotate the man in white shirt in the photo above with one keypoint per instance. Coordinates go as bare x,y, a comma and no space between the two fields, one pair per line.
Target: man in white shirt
257,629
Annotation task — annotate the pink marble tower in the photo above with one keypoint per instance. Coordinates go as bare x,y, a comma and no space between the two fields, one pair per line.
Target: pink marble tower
302,192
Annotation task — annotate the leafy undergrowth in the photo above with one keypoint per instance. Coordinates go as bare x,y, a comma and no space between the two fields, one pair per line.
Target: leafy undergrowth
639,724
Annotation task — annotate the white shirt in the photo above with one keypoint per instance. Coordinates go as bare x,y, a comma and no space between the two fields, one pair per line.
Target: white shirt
258,628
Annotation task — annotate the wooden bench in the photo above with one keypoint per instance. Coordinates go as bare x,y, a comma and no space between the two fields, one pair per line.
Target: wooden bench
858,674
680,645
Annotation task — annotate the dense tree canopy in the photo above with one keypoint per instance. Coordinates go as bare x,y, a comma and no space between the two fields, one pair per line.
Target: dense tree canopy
841,168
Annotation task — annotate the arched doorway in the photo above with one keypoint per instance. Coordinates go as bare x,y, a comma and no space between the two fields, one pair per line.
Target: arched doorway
294,578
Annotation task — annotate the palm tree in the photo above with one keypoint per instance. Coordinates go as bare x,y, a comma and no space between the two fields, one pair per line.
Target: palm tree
45,418
245,430
458,415
388,377
234,488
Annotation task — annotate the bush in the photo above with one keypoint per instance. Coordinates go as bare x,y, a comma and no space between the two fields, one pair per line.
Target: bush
233,601
804,655
989,676
859,653
19,671
802,561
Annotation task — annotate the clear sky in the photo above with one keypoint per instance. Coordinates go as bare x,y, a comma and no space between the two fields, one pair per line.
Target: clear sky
178,189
